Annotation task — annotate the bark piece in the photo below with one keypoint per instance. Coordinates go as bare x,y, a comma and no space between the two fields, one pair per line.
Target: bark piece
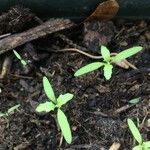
46,28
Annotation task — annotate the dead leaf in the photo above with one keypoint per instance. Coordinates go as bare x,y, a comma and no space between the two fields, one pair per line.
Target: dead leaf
122,64
104,11
125,64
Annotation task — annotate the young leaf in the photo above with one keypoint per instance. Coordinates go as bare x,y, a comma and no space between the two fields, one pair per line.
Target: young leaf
105,53
45,107
138,147
49,90
146,145
17,54
127,53
108,71
23,62
134,130
12,109
63,99
64,126
135,100
88,68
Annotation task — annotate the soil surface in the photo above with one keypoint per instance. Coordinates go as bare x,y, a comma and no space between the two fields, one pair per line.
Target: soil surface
94,113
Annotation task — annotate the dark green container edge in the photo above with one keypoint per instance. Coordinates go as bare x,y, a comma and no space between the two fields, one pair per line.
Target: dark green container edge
79,10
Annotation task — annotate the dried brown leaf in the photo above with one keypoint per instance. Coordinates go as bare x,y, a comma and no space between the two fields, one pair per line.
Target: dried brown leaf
104,11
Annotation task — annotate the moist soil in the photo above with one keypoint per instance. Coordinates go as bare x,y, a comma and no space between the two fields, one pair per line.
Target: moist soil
94,113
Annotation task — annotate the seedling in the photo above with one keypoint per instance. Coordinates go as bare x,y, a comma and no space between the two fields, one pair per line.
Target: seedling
10,111
56,103
108,61
136,134
20,58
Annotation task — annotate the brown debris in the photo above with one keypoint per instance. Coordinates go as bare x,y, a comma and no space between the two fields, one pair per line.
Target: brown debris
97,33
115,146
15,19
6,66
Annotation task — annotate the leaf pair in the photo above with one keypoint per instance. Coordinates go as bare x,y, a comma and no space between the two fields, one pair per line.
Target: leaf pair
107,61
49,106
57,103
20,58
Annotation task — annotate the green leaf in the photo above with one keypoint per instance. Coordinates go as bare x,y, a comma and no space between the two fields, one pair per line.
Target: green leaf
63,99
45,107
127,53
108,71
64,126
105,53
146,145
139,147
135,100
17,54
23,62
88,68
12,109
49,90
134,130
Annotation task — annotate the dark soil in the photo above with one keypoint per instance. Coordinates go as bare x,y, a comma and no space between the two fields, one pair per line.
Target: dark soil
93,111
